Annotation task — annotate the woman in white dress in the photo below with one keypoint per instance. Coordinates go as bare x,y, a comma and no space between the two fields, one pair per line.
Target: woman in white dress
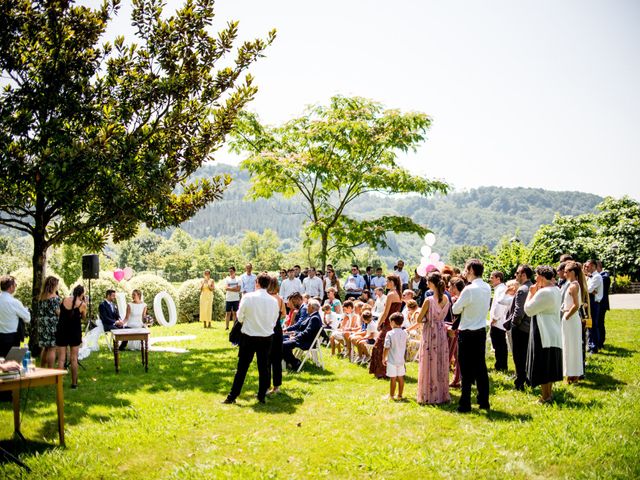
571,322
136,311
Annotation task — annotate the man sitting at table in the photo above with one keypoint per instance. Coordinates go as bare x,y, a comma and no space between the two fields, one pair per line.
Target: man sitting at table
108,310
11,309
303,339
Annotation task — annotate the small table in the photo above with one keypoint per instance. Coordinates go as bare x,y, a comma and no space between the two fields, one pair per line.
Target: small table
38,378
129,334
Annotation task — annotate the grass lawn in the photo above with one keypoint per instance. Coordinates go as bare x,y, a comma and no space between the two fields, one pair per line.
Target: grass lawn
170,423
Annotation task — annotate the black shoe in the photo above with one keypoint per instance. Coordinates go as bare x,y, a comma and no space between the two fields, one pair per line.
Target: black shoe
121,348
520,388
229,401
484,406
465,409
74,386
261,400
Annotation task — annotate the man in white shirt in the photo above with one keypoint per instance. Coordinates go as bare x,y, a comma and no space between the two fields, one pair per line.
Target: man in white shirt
10,310
247,280
596,291
258,314
498,315
231,297
404,276
312,284
290,285
378,281
473,306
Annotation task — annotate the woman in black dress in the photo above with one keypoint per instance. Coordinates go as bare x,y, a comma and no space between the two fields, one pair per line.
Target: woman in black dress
73,310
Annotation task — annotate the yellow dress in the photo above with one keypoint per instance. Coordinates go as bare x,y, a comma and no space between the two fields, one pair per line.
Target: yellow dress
206,304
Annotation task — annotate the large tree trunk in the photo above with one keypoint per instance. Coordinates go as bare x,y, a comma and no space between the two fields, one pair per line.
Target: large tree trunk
324,244
39,264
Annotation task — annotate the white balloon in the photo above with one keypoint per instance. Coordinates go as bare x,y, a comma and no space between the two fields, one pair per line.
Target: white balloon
425,251
440,265
434,257
425,261
430,239
157,308
422,270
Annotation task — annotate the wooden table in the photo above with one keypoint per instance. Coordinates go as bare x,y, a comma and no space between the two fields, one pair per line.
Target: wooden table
38,378
129,334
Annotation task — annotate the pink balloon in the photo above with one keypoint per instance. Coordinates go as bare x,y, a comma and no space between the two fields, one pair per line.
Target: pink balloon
431,268
422,270
118,274
128,273
434,257
440,265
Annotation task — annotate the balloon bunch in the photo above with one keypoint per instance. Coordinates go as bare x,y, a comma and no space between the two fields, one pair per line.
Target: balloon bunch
430,261
119,274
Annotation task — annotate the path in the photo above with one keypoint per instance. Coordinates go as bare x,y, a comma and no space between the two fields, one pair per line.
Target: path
625,301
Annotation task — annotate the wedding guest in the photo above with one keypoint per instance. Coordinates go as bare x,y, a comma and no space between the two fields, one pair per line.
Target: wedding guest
498,315
355,284
11,309
334,302
473,307
596,292
331,280
402,273
520,325
258,314
604,303
378,280
395,345
304,338
297,310
378,306
544,359
73,310
350,324
275,353
368,276
419,286
206,299
456,285
48,313
433,363
313,285
248,280
393,305
231,285
290,285
108,311
367,336
574,297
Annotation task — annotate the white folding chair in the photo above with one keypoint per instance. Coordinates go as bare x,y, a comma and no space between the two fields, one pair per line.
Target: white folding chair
314,353
108,336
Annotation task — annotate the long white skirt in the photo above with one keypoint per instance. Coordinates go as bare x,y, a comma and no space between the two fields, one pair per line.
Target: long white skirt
572,346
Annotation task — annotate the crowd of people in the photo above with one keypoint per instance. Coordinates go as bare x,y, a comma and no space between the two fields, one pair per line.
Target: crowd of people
547,319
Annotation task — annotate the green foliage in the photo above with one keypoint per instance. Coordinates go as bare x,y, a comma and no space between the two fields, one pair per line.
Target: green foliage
189,297
24,289
96,138
100,285
262,250
150,285
510,253
331,156
459,255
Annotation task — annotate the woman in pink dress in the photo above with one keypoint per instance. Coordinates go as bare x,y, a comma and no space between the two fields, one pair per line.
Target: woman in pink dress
433,366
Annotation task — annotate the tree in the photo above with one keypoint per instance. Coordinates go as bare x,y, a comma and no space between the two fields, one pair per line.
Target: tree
95,139
331,156
262,250
459,255
573,235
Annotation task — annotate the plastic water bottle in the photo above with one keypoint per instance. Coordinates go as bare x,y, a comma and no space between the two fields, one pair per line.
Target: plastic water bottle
26,360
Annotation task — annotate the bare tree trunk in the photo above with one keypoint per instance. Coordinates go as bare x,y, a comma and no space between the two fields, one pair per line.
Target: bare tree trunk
323,249
39,264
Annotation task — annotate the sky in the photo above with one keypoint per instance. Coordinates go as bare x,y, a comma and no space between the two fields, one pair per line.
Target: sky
542,93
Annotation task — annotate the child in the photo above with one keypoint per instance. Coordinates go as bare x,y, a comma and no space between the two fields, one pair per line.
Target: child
329,321
395,346
350,323
366,337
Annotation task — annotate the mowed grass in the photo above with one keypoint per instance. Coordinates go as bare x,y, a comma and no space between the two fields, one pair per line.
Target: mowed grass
170,423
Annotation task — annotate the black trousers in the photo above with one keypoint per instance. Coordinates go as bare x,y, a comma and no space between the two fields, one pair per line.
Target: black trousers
499,342
594,331
602,332
520,347
8,340
287,352
275,355
473,366
260,346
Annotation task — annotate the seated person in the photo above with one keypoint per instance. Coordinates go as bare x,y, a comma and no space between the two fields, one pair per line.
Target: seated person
303,339
350,323
329,321
334,301
367,336
406,296
9,366
378,307
296,302
412,313
108,310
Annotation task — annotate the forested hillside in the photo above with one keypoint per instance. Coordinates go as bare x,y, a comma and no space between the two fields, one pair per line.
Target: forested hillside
478,217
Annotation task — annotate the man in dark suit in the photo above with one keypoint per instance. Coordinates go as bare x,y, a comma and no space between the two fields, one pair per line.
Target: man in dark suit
520,324
299,322
303,339
108,311
604,303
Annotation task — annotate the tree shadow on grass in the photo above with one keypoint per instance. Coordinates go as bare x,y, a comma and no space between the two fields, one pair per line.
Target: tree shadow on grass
563,398
21,449
613,351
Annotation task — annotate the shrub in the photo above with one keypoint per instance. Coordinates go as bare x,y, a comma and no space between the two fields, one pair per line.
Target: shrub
24,280
189,295
150,285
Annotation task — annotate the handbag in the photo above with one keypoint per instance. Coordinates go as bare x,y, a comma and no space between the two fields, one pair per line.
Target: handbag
235,333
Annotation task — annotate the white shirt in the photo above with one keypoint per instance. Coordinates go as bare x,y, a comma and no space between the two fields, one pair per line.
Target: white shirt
258,313
378,307
247,283
313,287
545,305
473,304
498,309
378,282
404,277
228,295
10,309
596,287
288,287
372,328
396,342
